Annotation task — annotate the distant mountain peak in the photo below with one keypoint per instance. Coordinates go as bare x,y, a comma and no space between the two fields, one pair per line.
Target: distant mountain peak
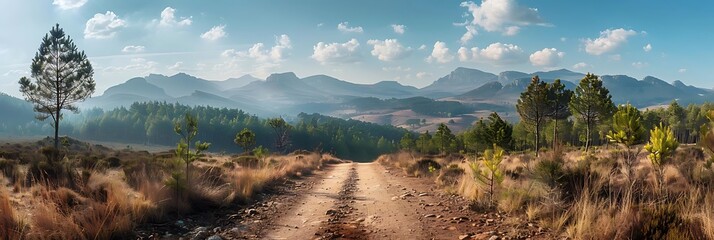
282,76
679,84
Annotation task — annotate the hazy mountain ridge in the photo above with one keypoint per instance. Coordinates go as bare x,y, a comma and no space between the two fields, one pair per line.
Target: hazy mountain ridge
464,94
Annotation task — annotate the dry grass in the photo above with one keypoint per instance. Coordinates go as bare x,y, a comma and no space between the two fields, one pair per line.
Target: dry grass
590,196
99,193
12,226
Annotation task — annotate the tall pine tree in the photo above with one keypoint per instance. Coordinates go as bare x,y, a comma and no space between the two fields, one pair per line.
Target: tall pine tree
559,98
533,107
591,103
63,76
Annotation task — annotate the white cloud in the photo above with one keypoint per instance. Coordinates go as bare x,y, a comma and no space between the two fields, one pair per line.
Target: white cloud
320,24
389,49
505,16
138,65
398,28
69,4
468,35
345,28
133,49
168,18
103,26
548,57
682,70
263,60
215,33
422,75
609,40
647,47
563,39
440,53
580,65
616,57
176,66
260,54
396,69
422,47
496,53
640,64
326,53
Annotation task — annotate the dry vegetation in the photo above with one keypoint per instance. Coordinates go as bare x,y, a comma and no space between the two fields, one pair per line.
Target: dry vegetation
587,196
100,193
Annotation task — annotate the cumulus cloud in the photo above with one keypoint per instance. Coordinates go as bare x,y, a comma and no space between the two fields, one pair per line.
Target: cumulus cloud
176,66
260,54
505,16
398,28
422,47
640,64
168,18
389,49
440,53
647,47
548,57
345,28
580,65
326,53
422,75
682,70
215,33
103,26
133,49
495,53
69,4
609,40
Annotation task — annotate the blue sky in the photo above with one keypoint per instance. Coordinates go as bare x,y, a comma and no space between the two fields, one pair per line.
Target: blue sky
364,41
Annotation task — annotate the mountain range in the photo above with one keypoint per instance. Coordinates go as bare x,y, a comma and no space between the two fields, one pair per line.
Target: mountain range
457,98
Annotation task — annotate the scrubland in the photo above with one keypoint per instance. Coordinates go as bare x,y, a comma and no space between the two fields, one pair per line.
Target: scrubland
99,193
580,195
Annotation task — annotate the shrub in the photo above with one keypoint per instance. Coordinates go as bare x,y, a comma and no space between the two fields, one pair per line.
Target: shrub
423,167
662,221
450,175
113,162
9,169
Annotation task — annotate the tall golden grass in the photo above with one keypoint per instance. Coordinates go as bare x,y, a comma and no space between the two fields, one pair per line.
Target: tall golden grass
590,197
108,203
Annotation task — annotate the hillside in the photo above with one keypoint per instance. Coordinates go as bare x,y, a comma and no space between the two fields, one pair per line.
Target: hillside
462,95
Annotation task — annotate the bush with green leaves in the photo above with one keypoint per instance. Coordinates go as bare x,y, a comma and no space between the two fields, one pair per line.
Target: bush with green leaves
661,146
487,170
245,139
627,130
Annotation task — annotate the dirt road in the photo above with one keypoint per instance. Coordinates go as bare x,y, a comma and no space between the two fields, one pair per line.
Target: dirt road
367,201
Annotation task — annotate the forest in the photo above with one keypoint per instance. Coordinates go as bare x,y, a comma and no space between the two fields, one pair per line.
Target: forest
152,123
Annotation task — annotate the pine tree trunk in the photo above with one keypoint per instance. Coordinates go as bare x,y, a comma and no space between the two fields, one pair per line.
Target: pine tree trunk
55,152
587,136
537,138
